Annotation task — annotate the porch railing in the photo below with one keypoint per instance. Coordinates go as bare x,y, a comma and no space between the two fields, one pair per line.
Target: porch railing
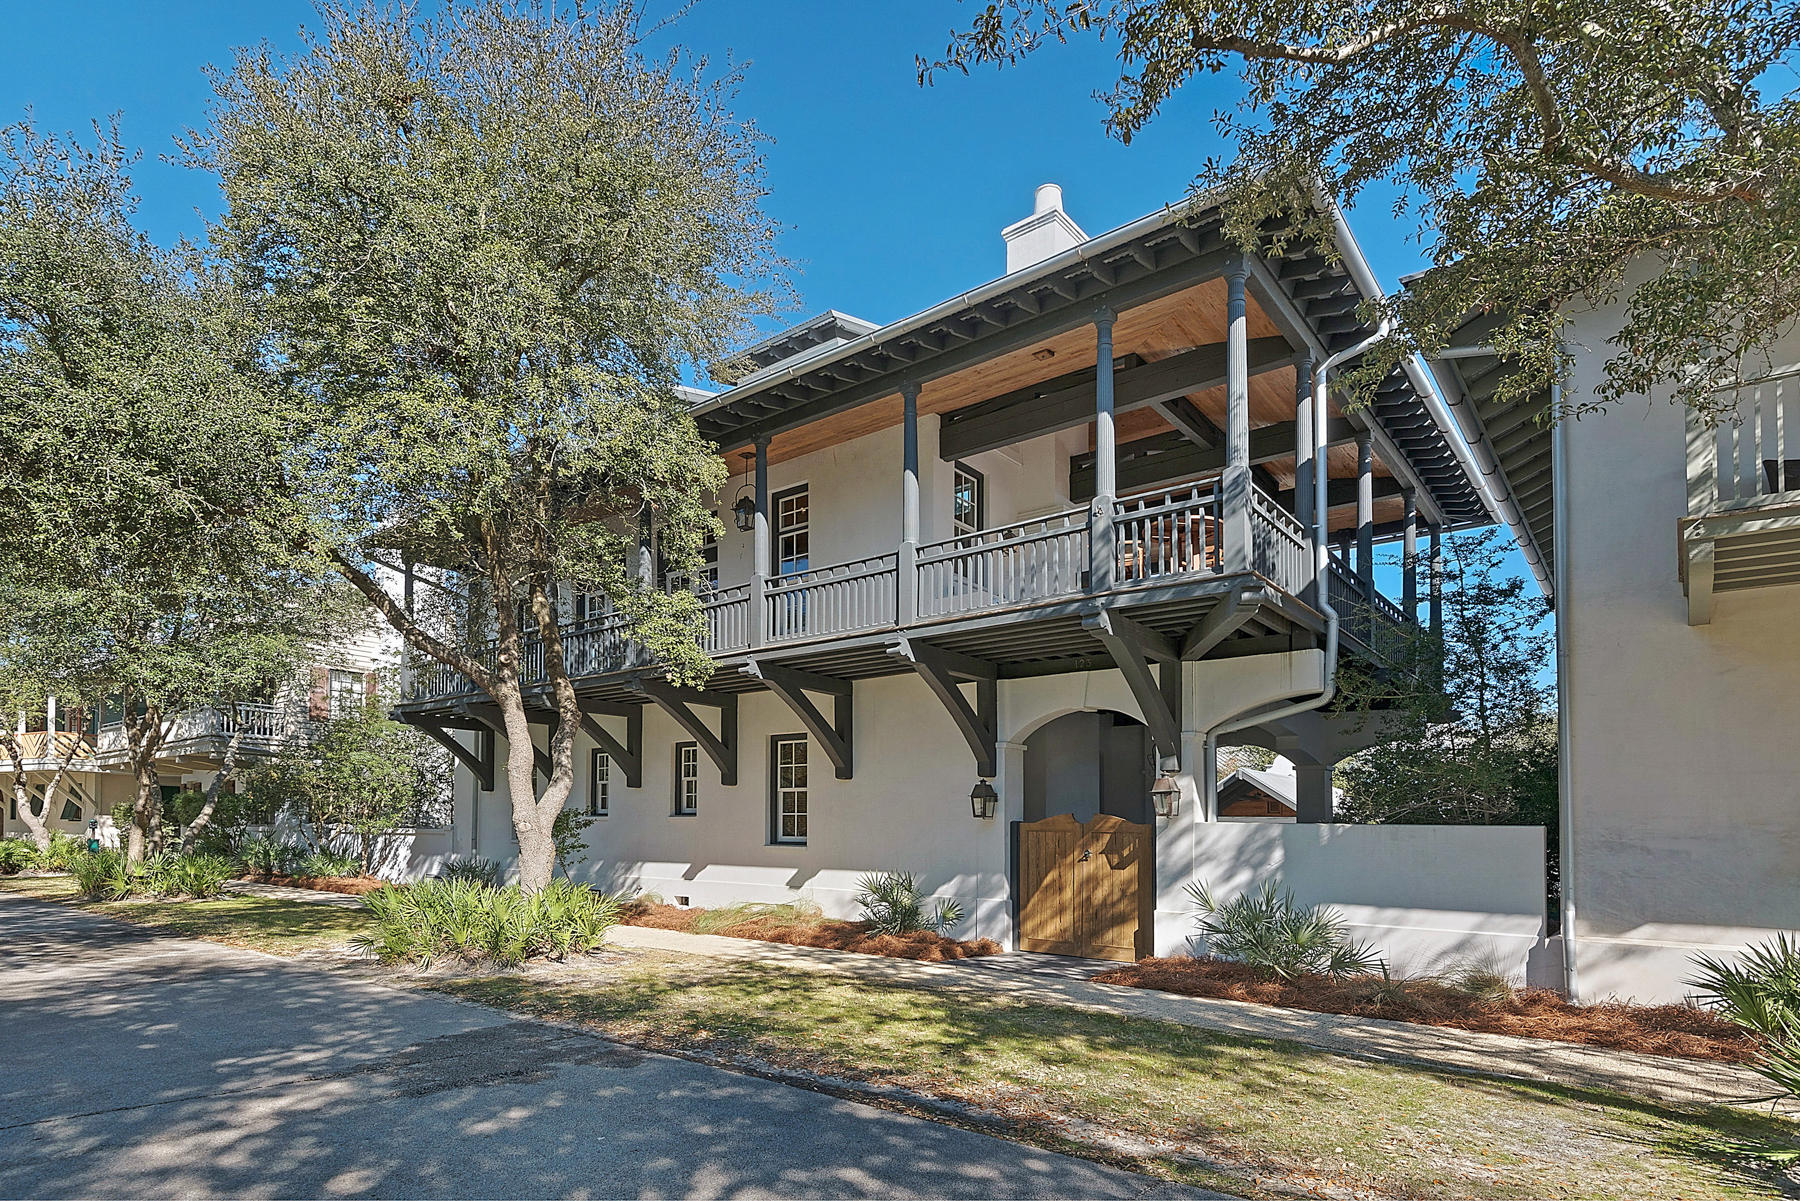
841,599
1156,536
1167,533
1027,561
1748,455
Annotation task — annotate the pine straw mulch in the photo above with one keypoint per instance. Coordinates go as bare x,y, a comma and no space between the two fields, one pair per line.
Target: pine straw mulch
829,933
1678,1030
354,886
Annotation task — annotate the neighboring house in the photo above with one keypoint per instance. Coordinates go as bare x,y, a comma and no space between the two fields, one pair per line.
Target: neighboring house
995,580
1251,795
344,673
1672,550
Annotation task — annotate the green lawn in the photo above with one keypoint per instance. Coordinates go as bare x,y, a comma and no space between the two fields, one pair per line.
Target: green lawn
1245,1116
257,923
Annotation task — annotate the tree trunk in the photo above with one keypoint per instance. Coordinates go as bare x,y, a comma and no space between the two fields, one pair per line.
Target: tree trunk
227,770
145,735
38,824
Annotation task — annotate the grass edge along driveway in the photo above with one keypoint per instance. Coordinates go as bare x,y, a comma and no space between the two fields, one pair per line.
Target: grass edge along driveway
1247,1116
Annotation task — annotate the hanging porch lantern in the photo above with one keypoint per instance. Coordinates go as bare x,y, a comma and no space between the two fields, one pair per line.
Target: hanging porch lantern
983,800
743,510
1165,795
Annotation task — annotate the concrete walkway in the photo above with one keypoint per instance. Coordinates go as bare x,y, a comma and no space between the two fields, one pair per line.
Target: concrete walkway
1684,1081
141,1065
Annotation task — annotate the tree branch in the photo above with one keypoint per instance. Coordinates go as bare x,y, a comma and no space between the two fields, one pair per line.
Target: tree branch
410,629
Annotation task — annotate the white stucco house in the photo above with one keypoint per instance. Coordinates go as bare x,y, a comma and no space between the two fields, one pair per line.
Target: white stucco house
1672,550
1054,538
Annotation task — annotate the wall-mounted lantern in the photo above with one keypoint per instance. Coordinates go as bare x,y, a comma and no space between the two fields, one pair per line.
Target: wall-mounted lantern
983,800
1165,796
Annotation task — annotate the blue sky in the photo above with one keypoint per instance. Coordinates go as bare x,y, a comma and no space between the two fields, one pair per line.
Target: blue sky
892,196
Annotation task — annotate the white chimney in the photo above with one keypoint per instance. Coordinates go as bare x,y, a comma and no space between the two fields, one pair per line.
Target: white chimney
1047,232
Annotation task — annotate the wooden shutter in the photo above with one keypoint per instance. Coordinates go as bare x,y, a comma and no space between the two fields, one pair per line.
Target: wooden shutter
318,701
370,685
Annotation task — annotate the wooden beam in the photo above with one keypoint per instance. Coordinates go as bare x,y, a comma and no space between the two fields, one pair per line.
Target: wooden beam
792,685
627,756
489,716
678,703
1341,492
1157,692
1161,458
978,723
1067,402
479,761
1189,422
1224,621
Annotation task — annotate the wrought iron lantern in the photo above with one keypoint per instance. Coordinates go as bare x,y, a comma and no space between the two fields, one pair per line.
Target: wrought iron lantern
983,800
1165,795
743,514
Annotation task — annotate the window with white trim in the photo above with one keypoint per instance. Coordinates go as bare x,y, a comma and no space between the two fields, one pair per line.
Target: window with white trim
348,691
687,778
968,500
793,531
788,787
600,785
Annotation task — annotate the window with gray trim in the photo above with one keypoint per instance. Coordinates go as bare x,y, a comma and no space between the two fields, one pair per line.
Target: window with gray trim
687,778
788,787
600,785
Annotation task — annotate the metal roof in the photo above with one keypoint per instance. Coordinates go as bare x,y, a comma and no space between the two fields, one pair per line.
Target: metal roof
1157,255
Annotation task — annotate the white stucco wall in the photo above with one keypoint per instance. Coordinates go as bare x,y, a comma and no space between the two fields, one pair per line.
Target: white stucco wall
1682,750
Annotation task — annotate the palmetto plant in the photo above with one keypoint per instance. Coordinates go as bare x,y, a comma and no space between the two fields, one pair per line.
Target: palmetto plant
471,869
16,855
463,919
1760,991
1267,929
892,904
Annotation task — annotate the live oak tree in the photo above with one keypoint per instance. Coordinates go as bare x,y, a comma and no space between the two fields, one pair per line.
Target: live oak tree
489,238
139,462
1543,146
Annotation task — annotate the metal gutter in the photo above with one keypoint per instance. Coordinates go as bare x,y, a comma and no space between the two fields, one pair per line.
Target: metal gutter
1455,419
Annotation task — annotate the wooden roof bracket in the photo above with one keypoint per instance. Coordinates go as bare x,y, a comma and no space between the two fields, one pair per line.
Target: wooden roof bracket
479,761
1238,607
1158,693
627,756
944,672
678,703
792,685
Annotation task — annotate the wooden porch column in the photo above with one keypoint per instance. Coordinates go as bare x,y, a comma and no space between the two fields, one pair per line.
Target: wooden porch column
1305,457
908,602
1410,545
1437,582
1365,506
1102,557
759,548
1234,541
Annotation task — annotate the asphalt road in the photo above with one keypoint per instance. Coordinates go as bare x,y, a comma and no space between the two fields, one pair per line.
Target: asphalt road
136,1065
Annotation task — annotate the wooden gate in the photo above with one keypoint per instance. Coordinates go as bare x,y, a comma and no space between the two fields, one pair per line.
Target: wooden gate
1084,889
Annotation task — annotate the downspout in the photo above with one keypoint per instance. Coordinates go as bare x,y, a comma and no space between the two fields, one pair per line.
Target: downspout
1321,547
1559,463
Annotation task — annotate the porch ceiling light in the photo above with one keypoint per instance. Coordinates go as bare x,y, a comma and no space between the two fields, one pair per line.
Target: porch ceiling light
983,800
1165,796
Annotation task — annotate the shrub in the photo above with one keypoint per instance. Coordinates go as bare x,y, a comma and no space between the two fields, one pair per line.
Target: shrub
471,869
892,904
327,863
104,875
1761,993
1265,929
101,876
17,855
64,851
270,856
1480,982
454,918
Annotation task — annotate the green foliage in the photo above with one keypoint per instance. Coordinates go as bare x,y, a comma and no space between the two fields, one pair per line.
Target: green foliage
1545,151
268,856
1481,981
109,876
1761,992
1267,930
1472,743
459,919
892,904
471,869
568,832
17,855
327,863
64,850
781,913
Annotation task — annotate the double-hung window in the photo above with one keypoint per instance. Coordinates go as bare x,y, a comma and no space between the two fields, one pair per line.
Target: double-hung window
348,691
968,500
788,787
793,531
687,778
600,785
